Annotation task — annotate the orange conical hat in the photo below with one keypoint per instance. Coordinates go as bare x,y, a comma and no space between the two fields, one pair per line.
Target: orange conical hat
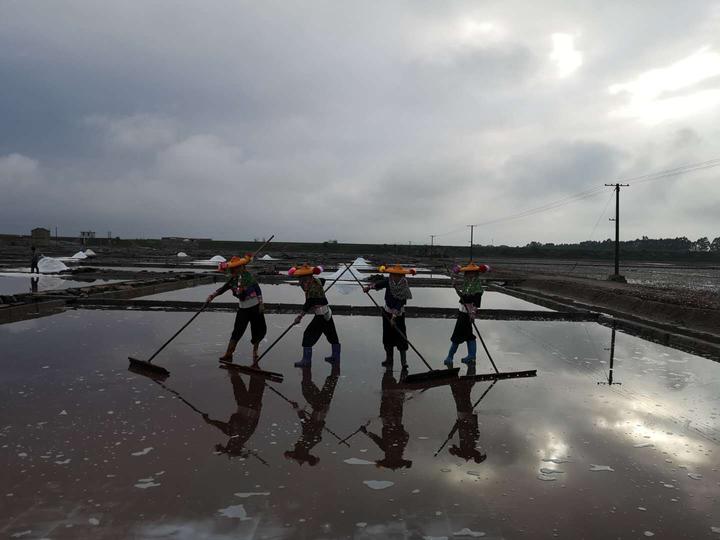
397,269
234,262
472,267
304,270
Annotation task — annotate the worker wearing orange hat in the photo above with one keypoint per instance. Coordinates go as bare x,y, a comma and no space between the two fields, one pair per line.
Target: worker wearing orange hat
397,293
246,289
322,324
470,294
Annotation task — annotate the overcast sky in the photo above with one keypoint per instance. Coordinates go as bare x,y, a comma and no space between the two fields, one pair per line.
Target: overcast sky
366,121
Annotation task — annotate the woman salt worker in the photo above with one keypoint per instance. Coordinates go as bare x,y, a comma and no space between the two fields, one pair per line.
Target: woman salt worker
397,293
470,294
317,304
246,289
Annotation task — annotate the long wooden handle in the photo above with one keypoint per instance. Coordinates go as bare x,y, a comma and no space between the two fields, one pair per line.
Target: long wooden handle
184,326
401,334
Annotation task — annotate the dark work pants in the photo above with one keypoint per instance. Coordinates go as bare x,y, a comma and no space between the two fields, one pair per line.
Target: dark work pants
251,315
463,329
391,337
316,328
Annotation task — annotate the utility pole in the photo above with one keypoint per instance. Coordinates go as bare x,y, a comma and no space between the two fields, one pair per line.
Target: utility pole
616,276
432,243
472,228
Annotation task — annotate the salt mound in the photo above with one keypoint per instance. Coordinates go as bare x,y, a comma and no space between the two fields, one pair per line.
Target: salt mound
79,255
90,253
217,258
182,254
48,265
267,258
361,262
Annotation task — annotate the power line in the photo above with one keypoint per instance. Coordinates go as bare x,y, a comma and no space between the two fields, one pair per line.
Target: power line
582,195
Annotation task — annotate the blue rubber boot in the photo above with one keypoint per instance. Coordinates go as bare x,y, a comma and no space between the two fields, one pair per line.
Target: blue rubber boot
449,359
334,357
306,358
472,351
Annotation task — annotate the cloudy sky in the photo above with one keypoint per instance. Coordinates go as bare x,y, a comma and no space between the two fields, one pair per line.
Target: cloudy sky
364,121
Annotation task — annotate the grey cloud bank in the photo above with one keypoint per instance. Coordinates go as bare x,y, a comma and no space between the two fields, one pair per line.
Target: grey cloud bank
357,121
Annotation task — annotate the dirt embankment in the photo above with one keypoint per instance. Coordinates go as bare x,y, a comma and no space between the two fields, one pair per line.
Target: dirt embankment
696,311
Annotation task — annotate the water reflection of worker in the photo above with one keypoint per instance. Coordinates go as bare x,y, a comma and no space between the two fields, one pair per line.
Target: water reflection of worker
313,423
467,423
394,438
246,289
243,422
470,293
34,284
322,323
35,257
397,293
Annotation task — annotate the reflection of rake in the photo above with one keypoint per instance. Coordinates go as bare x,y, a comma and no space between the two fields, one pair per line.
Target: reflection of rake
295,405
201,413
457,422
358,430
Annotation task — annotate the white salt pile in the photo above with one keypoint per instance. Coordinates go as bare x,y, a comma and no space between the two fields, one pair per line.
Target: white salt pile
90,253
267,258
79,255
218,259
182,254
48,265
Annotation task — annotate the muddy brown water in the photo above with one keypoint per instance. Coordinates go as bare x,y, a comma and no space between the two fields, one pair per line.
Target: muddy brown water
90,450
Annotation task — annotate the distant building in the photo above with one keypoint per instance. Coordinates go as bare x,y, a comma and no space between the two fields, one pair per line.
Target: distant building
87,234
40,236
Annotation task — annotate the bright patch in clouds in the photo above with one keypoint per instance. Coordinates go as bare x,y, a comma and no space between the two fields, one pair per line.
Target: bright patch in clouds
474,32
566,57
646,91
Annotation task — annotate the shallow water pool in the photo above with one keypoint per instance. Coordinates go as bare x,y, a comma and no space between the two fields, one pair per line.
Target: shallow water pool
92,450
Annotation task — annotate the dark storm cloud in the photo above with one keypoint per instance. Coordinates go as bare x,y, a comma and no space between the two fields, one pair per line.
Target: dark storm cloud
339,120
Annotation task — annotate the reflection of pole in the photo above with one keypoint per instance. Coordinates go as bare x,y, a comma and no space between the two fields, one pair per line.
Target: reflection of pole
612,359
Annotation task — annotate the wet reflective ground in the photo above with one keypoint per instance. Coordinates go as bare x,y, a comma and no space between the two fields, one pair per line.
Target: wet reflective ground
350,294
17,283
90,450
